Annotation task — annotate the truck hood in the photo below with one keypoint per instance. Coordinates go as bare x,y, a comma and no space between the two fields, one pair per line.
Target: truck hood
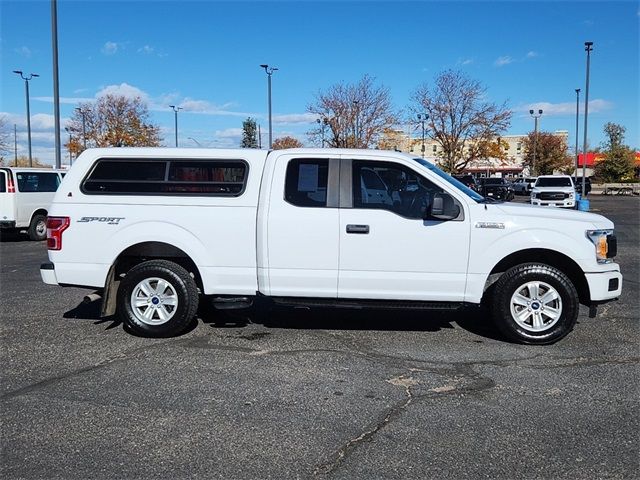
553,189
591,220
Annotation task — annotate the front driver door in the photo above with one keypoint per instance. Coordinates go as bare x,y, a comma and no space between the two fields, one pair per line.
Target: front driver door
387,249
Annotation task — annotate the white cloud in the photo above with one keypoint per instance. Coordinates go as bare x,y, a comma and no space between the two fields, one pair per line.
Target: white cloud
228,133
23,51
125,90
146,50
64,100
504,60
568,108
532,54
109,48
295,118
465,61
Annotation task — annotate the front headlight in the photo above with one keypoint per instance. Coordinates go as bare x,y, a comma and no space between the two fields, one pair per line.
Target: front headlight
605,243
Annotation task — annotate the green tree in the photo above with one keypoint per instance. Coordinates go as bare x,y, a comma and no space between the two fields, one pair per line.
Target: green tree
618,159
551,153
249,133
461,121
112,121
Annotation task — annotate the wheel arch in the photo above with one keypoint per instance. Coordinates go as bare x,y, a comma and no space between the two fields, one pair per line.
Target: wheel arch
137,254
548,257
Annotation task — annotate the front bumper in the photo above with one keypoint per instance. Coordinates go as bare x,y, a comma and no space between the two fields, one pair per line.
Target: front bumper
7,224
48,273
604,286
568,203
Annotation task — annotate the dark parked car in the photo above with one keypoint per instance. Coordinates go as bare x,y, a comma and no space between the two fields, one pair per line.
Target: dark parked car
577,181
468,181
496,187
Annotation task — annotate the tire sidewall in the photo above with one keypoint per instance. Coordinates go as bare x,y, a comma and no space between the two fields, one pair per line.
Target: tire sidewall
517,277
185,310
33,228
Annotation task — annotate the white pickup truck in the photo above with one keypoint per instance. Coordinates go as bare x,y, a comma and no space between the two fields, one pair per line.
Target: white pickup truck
157,229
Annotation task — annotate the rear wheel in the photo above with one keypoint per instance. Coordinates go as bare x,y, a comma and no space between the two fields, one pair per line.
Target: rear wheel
38,228
534,303
157,298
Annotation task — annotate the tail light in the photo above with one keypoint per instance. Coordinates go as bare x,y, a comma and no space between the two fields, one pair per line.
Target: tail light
11,187
55,227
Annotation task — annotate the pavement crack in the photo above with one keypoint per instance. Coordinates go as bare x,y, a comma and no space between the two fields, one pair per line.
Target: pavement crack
393,413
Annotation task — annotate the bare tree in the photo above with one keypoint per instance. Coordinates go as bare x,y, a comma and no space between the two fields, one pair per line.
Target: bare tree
4,137
356,114
460,120
112,121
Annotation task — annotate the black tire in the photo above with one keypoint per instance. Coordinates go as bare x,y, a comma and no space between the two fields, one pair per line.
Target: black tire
181,289
38,228
511,313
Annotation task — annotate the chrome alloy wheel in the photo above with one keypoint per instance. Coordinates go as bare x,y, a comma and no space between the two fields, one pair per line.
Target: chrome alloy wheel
154,301
536,306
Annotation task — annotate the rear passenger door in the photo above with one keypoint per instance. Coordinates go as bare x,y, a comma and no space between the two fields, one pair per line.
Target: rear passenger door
302,233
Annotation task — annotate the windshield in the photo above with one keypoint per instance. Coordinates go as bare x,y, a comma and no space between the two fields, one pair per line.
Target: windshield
554,182
459,185
493,181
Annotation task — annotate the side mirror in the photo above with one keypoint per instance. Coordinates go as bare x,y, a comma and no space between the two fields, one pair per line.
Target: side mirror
443,207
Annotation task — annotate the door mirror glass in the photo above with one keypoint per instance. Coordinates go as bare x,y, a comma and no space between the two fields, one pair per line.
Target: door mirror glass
443,207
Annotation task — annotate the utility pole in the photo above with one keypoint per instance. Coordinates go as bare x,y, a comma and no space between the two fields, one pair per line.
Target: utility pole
535,139
84,129
56,88
175,113
423,118
15,144
269,71
26,91
588,46
577,127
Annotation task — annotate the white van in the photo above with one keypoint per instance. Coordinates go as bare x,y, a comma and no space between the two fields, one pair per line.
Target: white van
25,196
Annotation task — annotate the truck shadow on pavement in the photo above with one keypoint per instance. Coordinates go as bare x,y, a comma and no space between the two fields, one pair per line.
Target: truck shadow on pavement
474,320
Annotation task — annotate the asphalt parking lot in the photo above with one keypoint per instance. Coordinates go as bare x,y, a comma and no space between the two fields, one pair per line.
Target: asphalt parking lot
322,393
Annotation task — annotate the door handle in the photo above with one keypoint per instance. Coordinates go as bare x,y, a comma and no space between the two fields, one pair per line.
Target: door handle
363,229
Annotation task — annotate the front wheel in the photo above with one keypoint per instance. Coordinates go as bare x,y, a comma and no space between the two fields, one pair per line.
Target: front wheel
157,298
534,303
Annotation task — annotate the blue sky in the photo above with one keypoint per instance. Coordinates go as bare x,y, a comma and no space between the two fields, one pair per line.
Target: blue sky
205,57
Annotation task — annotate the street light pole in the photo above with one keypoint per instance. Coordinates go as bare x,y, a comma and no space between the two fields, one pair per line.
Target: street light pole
588,46
535,139
355,133
26,90
69,146
323,123
175,113
577,127
84,129
269,71
15,144
423,117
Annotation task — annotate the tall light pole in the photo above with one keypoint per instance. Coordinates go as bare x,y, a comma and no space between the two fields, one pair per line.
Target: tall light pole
175,114
422,118
69,145
269,71
26,90
577,126
56,88
588,46
15,144
84,127
536,116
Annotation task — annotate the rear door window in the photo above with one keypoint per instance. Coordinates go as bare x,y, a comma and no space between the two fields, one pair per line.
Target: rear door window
37,182
306,182
3,182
